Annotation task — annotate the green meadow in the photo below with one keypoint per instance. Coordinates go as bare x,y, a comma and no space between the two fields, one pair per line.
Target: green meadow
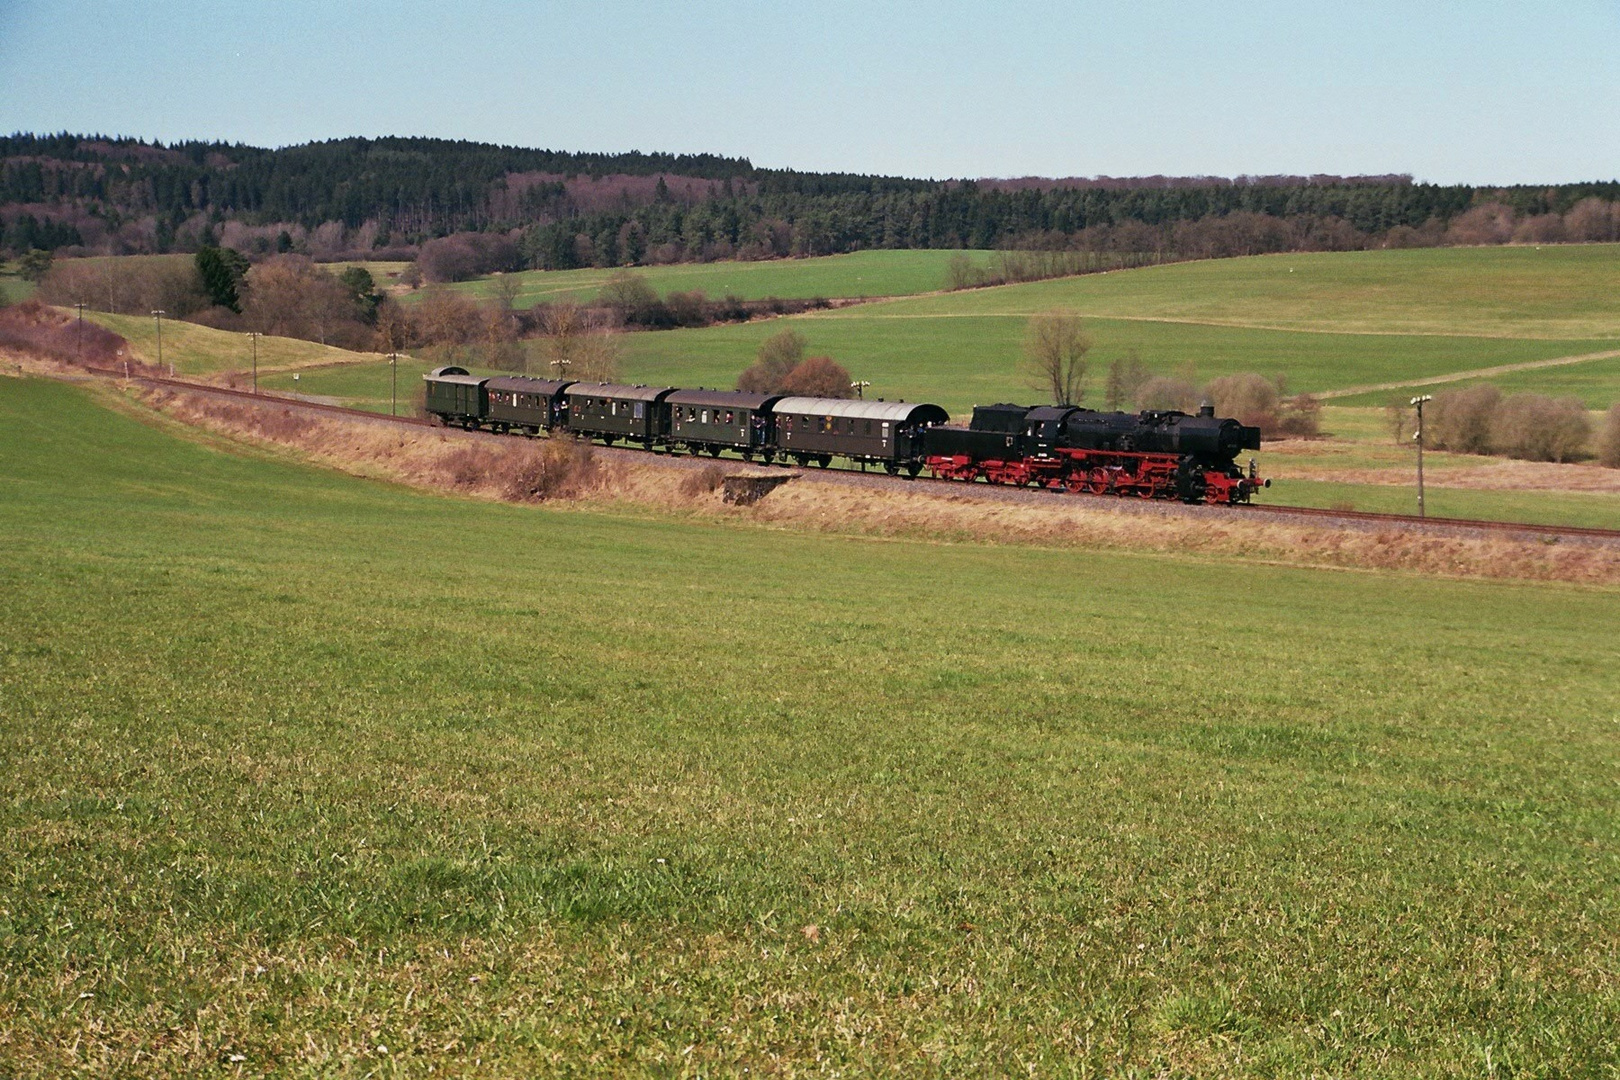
307,775
858,274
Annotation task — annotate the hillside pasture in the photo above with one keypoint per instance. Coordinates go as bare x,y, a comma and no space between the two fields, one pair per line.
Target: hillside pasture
1568,291
858,274
202,350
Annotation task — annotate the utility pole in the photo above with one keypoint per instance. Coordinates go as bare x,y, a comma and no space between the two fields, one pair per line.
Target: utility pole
393,368
255,335
860,388
157,314
1418,401
79,331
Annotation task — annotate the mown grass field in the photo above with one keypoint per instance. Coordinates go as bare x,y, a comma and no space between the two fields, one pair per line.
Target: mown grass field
861,273
308,775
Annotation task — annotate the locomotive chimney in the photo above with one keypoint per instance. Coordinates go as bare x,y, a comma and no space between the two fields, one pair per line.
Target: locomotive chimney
1206,409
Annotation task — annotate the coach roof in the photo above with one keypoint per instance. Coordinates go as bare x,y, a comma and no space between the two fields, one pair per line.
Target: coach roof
721,399
618,392
452,374
896,411
523,384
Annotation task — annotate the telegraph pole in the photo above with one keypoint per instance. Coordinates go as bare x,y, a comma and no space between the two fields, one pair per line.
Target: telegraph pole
157,314
255,335
393,368
1418,401
79,331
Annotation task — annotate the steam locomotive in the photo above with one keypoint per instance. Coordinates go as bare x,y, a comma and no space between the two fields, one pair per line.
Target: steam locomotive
1151,455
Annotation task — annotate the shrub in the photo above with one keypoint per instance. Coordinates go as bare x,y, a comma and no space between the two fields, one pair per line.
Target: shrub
559,467
819,376
1462,420
778,355
1164,392
1249,398
464,255
1609,442
1300,416
1539,428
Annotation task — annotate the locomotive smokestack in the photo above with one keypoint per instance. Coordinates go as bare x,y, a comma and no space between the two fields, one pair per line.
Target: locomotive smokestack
1206,409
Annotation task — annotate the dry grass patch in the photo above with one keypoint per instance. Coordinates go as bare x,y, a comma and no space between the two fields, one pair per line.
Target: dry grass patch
518,470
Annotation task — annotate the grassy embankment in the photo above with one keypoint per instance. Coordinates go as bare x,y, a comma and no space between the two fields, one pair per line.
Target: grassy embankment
202,350
308,774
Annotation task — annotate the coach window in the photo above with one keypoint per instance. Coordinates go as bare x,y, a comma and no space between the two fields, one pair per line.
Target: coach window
640,410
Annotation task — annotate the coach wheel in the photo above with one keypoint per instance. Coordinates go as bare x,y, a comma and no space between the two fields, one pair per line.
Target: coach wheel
714,451
913,469
824,460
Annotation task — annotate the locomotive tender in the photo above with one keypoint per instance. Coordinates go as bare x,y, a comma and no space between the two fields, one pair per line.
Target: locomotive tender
1155,454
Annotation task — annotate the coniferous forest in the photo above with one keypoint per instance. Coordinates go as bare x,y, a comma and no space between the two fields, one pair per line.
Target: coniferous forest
387,197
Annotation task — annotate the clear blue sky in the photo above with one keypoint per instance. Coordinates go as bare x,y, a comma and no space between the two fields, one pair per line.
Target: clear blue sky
1489,91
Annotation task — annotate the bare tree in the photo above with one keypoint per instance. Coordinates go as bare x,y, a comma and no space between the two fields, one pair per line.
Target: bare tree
1055,348
1125,378
506,291
575,347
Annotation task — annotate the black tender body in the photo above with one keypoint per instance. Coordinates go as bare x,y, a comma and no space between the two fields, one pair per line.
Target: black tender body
1205,437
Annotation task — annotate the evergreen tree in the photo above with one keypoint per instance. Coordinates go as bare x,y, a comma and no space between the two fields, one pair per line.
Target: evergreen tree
221,271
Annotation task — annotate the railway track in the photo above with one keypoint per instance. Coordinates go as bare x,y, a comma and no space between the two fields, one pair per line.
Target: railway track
1363,518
